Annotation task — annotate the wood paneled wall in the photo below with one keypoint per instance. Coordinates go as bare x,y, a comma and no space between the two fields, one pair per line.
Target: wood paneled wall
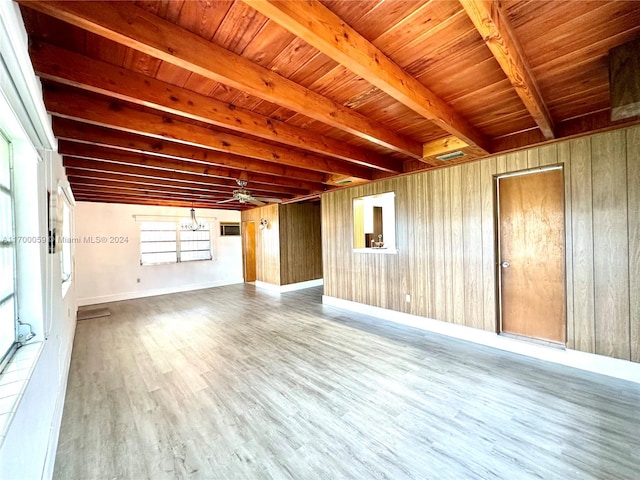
300,243
446,242
267,243
290,249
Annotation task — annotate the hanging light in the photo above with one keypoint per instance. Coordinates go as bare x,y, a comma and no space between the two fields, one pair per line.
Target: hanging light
193,223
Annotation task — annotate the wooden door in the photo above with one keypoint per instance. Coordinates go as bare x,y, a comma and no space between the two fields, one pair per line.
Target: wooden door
531,255
249,251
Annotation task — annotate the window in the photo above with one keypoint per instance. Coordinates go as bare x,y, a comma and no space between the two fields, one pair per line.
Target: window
374,223
65,258
167,242
229,229
7,255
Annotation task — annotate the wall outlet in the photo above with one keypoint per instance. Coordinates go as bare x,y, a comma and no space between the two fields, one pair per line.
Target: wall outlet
407,298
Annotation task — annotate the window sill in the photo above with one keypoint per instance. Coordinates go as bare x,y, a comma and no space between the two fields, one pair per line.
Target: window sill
379,250
13,382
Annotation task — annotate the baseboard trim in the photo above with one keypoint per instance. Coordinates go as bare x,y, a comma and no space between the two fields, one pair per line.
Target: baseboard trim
117,297
612,367
290,287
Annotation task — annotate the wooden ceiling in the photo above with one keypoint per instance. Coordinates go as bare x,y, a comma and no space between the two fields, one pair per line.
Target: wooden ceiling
170,102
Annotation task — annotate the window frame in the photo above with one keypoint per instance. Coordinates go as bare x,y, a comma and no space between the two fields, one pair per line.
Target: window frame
5,356
66,236
179,240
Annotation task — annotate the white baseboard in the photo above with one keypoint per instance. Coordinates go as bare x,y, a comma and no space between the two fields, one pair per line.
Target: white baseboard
591,362
116,297
291,287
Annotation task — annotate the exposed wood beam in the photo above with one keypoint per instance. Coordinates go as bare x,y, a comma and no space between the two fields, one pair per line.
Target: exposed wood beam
132,26
160,203
129,173
93,152
63,66
168,183
96,135
120,116
86,187
320,27
443,145
493,25
624,80
148,188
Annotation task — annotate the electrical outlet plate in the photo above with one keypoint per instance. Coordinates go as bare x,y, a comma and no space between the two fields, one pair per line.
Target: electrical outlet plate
407,298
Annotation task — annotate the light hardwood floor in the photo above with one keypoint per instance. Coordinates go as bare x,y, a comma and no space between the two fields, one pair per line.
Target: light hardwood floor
238,383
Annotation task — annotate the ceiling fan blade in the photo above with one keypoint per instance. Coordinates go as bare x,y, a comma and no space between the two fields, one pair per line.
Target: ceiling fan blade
256,202
227,201
268,199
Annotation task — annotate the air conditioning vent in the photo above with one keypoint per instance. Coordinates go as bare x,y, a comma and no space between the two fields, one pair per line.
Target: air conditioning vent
451,156
229,229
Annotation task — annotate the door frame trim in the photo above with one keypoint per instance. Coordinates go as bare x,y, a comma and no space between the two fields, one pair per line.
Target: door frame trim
496,217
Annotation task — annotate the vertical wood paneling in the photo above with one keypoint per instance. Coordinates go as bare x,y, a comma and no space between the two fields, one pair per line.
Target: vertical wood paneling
267,243
533,158
487,169
564,158
611,243
448,244
517,161
446,258
633,195
472,248
548,155
417,282
457,244
501,164
439,309
582,245
300,243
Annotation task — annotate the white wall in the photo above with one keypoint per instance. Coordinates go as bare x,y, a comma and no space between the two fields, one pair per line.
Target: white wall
110,271
28,447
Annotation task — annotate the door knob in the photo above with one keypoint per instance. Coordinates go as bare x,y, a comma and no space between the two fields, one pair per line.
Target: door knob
505,264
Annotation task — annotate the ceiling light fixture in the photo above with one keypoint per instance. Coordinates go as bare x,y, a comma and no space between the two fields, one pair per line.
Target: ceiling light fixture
192,224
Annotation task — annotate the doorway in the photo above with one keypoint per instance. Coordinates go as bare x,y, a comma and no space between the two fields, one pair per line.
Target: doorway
249,251
531,263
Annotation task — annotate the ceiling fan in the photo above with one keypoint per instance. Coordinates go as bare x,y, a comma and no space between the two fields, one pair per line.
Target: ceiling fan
243,195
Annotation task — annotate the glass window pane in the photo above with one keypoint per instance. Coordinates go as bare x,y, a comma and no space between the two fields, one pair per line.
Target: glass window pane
152,258
5,171
196,255
6,224
6,272
7,326
151,247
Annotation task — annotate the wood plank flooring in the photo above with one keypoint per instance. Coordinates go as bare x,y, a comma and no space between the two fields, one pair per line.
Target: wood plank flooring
238,383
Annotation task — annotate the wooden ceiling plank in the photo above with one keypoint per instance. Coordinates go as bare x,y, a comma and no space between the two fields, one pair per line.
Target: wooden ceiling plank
132,26
95,191
590,124
142,192
87,197
147,187
94,167
321,28
493,25
91,152
170,183
63,66
120,116
95,135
